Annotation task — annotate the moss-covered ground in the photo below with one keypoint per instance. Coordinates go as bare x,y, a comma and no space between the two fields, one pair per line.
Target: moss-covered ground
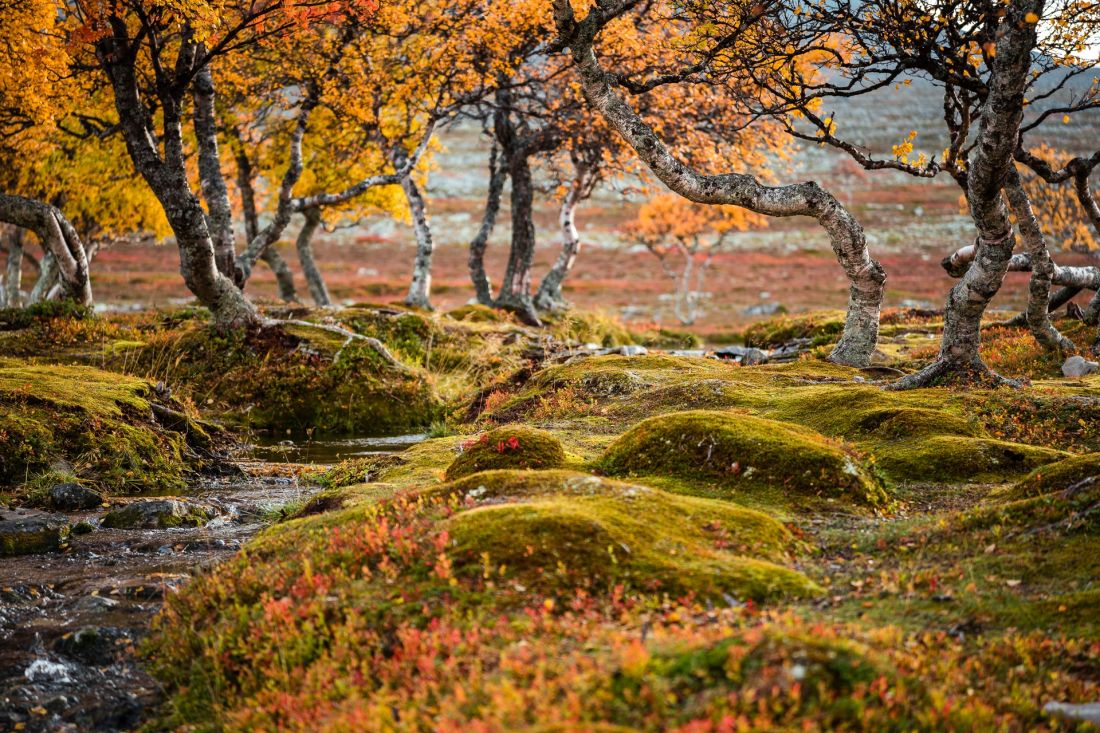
668,543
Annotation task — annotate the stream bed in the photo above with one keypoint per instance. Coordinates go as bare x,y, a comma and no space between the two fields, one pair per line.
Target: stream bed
70,621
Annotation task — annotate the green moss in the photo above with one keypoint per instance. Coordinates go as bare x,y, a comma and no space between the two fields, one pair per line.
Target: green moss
1057,476
301,380
744,452
820,328
95,426
1066,512
691,677
359,470
953,458
508,447
567,530
477,313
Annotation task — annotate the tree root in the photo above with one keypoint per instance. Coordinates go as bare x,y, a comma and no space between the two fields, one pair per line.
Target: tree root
943,372
350,336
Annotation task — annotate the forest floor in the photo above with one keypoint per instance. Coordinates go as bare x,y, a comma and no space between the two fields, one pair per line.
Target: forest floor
590,538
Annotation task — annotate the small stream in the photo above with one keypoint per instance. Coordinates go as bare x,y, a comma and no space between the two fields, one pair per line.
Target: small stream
70,620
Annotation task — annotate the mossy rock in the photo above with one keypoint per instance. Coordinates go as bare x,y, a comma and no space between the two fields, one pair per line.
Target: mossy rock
1057,476
113,432
25,532
744,452
158,514
559,528
513,446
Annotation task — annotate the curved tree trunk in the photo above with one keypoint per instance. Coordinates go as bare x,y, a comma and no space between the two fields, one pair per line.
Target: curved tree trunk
549,295
498,173
13,277
989,169
166,174
1042,268
420,289
58,237
865,275
317,289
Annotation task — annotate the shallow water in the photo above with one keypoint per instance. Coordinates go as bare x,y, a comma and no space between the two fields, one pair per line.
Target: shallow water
70,620
327,451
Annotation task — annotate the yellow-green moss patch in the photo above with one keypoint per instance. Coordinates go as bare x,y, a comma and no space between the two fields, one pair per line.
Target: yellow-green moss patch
744,451
108,430
1057,476
572,530
512,446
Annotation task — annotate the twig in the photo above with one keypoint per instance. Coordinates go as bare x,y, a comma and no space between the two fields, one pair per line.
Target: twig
374,343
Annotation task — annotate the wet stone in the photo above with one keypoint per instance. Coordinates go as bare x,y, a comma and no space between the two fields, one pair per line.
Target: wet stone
73,497
26,531
159,514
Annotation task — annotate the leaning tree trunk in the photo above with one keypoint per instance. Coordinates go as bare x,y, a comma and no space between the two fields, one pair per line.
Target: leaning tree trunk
13,277
420,289
865,275
166,174
1042,268
549,295
989,169
59,239
515,289
498,172
317,289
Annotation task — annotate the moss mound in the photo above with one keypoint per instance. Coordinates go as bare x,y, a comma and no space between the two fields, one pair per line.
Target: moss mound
508,447
107,430
296,379
1057,476
560,528
1069,511
744,451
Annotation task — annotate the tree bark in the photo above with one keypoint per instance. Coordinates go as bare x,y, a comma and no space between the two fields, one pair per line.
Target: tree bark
47,277
1091,312
166,176
219,213
498,173
420,289
284,278
998,135
58,237
1042,268
515,289
865,275
549,295
317,289
13,278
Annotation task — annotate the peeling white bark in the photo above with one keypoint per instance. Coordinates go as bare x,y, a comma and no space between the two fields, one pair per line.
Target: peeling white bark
549,295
